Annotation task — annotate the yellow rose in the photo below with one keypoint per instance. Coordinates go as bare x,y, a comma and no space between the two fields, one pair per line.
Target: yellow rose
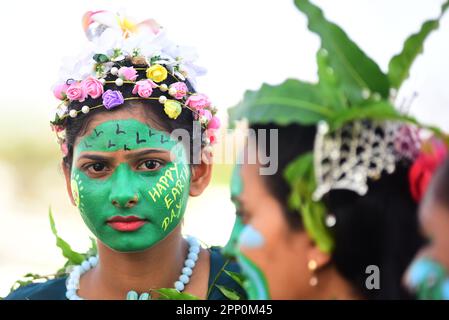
157,73
172,108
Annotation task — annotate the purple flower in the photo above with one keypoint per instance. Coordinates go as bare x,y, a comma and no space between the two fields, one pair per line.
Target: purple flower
112,99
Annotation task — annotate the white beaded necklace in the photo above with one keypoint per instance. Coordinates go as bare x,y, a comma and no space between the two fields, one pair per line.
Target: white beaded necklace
73,280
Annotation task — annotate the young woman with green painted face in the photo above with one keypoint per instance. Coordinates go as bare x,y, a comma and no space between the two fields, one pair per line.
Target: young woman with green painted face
131,182
130,175
147,182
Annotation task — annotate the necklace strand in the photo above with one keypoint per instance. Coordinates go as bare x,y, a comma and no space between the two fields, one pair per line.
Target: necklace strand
73,280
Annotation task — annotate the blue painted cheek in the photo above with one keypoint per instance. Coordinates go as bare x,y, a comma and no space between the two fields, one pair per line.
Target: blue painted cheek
250,238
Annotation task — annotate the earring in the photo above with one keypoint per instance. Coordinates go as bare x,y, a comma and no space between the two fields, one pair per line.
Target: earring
312,265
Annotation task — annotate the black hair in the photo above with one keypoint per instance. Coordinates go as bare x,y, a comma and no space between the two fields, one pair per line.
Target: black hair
152,108
380,228
439,185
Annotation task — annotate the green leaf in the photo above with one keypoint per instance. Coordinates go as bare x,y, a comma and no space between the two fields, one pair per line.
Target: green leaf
173,294
382,110
328,82
237,277
400,64
229,293
293,101
93,250
356,71
300,175
73,256
209,290
100,58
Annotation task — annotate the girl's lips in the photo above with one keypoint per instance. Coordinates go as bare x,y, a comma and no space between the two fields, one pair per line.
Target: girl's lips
126,223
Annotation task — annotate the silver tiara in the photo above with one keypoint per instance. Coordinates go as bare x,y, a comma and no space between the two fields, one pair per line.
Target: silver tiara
346,158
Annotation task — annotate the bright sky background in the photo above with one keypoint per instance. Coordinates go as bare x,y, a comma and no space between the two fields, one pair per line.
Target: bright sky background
242,43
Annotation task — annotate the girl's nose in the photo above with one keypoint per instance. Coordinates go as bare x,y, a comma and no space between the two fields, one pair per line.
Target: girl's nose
125,202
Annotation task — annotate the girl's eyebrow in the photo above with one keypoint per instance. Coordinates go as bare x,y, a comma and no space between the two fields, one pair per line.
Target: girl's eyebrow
137,154
145,152
94,157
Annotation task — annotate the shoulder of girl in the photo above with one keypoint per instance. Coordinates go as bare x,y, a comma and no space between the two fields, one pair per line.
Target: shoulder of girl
50,290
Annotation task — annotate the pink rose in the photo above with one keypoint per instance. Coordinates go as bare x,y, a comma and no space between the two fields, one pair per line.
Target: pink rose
57,128
206,114
144,88
93,87
421,172
127,73
214,123
60,91
76,91
198,101
181,89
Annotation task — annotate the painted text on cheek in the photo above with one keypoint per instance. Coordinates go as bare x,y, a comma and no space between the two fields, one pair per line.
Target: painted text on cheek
170,189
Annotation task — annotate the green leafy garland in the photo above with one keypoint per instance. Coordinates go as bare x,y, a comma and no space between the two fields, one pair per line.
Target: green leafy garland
75,258
351,87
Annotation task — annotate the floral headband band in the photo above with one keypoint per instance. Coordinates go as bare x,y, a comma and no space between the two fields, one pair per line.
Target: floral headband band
149,52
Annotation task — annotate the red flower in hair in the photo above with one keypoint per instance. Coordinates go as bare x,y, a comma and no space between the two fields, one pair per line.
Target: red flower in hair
422,170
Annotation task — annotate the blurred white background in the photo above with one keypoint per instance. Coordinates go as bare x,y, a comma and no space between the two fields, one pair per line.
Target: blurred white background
242,43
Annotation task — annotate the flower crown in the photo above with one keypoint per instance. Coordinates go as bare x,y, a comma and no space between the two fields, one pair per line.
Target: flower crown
123,53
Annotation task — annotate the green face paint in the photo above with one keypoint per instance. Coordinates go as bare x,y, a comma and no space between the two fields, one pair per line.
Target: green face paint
160,196
230,249
255,283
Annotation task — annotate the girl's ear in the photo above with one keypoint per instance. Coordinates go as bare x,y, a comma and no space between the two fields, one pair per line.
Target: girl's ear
316,254
201,175
67,177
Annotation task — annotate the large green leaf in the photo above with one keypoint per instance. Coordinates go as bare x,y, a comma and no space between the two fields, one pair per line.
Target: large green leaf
229,293
293,101
360,76
237,277
382,110
173,294
328,82
73,256
400,64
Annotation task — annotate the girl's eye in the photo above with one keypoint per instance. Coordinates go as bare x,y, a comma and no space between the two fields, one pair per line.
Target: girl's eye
97,167
150,165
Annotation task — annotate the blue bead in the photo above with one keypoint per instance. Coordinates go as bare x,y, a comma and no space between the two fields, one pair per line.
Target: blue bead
145,296
184,279
93,261
194,249
187,271
193,242
70,294
190,263
193,256
132,295
179,285
85,265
